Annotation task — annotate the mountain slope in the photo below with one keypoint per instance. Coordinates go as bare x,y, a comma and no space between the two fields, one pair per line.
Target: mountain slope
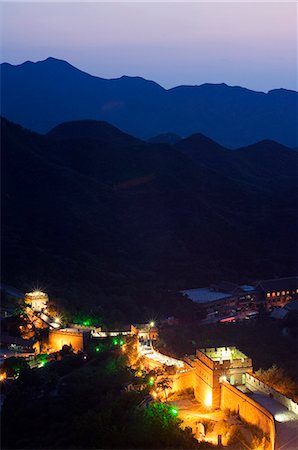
41,95
115,226
264,165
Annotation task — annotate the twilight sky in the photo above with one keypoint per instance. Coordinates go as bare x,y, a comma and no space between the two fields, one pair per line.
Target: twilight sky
249,44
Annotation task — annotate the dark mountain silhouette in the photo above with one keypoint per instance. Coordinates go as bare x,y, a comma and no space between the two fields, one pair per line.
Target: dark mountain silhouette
115,223
165,138
92,129
265,164
42,95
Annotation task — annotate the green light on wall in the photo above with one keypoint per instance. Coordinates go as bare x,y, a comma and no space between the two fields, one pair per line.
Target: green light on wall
151,382
115,341
174,411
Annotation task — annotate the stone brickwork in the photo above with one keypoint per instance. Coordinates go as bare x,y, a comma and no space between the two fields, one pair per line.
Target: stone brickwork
248,409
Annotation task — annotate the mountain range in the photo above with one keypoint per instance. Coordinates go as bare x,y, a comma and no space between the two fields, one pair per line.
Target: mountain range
42,95
102,218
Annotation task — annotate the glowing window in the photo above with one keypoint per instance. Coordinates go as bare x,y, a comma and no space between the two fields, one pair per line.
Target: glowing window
268,294
278,294
273,294
283,293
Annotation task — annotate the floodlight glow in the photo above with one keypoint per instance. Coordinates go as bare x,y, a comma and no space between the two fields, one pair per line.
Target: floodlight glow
208,399
151,324
282,417
174,411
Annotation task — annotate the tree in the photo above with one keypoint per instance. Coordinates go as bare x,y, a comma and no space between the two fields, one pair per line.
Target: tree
13,366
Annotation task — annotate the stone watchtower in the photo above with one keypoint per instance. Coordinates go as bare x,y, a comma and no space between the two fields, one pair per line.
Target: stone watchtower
37,300
213,365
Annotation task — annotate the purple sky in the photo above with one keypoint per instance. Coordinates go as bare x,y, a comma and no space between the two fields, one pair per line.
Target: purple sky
248,44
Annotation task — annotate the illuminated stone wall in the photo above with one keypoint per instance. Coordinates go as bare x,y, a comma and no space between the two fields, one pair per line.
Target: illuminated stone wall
248,409
182,380
58,338
206,385
256,385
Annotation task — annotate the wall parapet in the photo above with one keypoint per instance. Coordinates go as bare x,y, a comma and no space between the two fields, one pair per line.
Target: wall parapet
248,410
254,384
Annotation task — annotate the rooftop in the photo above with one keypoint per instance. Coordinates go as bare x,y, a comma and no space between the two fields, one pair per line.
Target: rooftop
205,295
36,295
223,353
278,284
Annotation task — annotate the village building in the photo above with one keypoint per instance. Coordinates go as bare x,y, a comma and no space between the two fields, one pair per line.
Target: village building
210,299
277,292
224,296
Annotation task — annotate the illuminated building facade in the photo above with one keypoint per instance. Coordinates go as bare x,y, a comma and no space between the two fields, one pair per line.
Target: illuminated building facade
278,292
212,365
37,300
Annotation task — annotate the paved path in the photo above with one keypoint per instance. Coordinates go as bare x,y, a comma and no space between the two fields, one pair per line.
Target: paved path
286,422
149,352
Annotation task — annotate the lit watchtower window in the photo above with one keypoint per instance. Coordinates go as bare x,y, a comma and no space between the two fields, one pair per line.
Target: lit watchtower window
268,294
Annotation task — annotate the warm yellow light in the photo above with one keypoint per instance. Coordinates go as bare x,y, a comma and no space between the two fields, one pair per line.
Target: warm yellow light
139,374
152,324
208,399
154,394
57,320
123,348
2,376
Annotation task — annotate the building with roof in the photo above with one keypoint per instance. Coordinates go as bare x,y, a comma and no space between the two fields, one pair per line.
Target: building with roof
277,292
219,296
214,365
210,299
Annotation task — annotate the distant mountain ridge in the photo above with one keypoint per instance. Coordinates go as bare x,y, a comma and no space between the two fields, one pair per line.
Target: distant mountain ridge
44,94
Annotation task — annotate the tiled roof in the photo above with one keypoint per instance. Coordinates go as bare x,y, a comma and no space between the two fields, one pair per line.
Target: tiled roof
205,295
278,284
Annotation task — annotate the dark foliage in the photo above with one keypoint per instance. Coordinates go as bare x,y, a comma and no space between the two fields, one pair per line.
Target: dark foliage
114,226
84,406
